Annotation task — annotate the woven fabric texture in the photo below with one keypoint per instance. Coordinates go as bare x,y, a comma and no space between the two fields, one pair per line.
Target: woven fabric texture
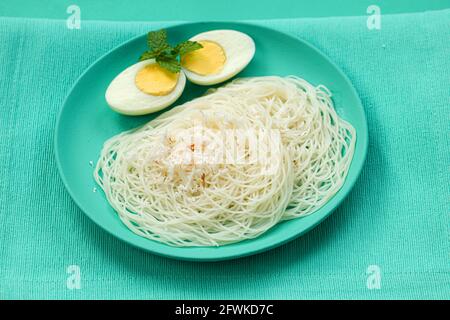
396,218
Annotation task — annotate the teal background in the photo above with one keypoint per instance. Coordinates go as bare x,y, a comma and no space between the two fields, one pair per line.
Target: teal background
396,217
201,10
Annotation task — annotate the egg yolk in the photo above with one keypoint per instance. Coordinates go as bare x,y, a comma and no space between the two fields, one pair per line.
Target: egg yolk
205,61
155,80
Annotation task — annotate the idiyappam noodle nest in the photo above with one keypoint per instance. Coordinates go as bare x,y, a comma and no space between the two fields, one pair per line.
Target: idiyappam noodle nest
229,165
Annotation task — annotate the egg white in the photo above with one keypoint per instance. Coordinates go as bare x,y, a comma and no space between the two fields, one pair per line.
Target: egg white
239,50
124,96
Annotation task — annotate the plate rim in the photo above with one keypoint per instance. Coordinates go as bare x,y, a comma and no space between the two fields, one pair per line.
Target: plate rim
239,254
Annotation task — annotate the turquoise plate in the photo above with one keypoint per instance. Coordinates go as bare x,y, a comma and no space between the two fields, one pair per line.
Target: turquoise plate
85,122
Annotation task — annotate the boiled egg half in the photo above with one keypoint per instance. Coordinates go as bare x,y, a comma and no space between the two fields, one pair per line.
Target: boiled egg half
224,54
143,88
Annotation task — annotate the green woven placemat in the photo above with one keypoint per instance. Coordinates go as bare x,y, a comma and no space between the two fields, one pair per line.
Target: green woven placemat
389,239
